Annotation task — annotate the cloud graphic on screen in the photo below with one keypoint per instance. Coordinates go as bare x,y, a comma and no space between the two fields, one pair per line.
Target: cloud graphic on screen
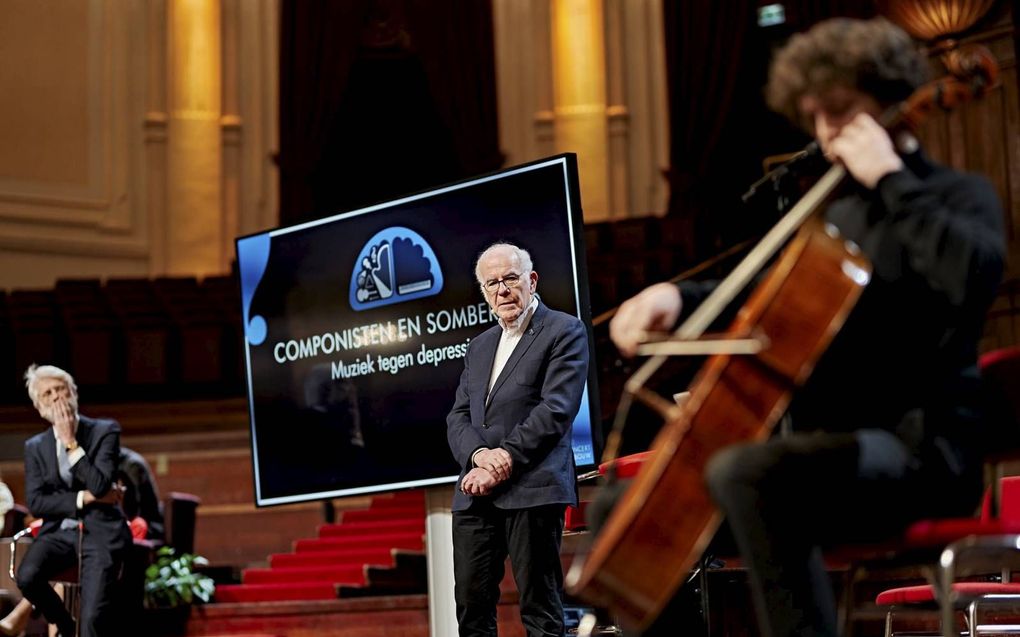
396,265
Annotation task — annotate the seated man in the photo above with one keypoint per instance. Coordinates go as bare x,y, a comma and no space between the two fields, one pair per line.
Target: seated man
69,477
142,508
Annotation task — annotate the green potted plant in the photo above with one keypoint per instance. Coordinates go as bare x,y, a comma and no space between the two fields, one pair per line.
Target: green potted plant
172,585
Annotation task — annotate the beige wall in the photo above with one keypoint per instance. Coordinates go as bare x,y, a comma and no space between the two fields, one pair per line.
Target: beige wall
136,135
588,77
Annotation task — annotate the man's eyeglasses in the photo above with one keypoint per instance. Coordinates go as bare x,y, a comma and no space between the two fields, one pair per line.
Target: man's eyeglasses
510,281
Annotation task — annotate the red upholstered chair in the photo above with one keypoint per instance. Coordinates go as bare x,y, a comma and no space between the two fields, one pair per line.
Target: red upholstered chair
179,515
622,468
574,521
979,546
989,545
625,466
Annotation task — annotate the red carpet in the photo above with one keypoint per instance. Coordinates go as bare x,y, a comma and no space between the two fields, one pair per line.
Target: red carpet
346,573
274,592
350,529
405,540
340,555
385,513
378,555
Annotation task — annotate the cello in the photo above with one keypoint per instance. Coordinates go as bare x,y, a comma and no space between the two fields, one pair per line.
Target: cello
665,518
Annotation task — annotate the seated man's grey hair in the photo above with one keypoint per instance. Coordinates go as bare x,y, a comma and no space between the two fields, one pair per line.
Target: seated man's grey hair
35,373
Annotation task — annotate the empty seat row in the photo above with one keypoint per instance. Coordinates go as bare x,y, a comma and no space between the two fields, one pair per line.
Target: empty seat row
126,338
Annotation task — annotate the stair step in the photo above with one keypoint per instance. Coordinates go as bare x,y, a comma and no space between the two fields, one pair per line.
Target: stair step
384,513
412,540
228,593
245,635
408,576
398,501
347,529
350,573
377,541
373,555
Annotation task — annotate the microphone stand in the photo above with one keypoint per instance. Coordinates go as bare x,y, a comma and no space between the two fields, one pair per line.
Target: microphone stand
777,174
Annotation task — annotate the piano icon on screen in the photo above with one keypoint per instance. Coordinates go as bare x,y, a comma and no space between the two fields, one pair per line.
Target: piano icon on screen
396,265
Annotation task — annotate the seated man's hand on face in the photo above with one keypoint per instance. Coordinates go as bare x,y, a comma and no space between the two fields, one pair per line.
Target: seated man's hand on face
655,309
496,461
478,481
63,418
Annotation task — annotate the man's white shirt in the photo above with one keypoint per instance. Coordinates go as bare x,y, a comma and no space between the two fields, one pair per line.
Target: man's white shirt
508,340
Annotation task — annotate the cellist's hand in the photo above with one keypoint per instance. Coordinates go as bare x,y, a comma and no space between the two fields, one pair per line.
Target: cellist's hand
866,150
654,309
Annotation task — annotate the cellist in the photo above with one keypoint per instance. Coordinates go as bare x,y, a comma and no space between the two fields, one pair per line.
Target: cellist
887,430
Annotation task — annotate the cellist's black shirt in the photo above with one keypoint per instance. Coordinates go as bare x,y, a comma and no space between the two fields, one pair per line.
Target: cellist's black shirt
906,359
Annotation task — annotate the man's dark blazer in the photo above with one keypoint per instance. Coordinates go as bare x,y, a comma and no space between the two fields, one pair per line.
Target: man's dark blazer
530,412
49,498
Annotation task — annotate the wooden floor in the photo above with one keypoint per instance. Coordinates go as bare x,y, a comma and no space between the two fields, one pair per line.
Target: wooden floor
402,616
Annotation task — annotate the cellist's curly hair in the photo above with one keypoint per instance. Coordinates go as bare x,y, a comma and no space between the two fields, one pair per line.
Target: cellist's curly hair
872,56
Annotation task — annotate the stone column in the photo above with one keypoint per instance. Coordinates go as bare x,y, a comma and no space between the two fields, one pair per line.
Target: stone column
193,236
579,94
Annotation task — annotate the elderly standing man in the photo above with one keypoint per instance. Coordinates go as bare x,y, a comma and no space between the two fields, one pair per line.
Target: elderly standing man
509,429
69,483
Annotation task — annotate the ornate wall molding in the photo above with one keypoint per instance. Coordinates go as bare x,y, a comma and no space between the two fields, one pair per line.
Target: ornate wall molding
95,215
112,212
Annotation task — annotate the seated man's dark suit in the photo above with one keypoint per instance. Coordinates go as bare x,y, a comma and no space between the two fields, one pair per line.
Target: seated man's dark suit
105,535
529,413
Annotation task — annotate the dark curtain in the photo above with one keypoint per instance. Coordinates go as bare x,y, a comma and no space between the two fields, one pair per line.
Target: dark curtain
801,14
457,50
318,45
382,97
707,55
705,44
717,65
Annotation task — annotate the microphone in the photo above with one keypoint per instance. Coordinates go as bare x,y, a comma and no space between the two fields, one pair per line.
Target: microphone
774,176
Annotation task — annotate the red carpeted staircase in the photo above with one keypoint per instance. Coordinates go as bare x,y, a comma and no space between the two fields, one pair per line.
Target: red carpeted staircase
379,550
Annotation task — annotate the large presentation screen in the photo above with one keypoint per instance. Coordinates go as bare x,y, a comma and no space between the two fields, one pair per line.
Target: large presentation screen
356,327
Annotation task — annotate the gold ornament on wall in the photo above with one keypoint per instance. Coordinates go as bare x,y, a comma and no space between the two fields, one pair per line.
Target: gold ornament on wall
931,20
937,23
